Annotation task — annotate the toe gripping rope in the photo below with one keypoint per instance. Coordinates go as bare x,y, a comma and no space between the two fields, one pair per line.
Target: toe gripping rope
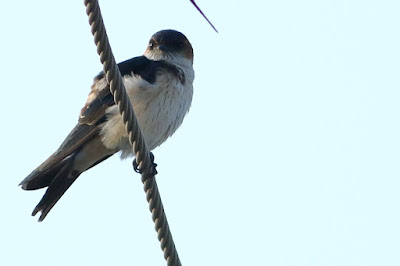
144,159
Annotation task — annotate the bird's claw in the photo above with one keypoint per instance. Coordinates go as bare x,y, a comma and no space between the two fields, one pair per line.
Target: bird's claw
152,166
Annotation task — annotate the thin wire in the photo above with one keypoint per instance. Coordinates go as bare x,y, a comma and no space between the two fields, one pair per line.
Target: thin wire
144,159
204,16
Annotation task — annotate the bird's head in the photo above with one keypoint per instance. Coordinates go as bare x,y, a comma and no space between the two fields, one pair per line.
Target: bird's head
169,45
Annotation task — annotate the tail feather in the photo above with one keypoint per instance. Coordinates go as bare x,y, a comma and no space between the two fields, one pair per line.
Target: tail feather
61,182
40,179
58,173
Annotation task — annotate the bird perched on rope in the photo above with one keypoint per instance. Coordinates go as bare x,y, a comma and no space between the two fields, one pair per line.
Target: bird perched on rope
160,88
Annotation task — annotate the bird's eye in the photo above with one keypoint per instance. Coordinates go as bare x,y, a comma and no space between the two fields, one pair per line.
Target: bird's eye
151,44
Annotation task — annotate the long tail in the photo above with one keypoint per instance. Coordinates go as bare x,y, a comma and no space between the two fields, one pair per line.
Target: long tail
58,179
81,150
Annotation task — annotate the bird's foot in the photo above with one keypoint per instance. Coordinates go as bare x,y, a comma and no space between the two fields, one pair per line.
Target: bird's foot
153,166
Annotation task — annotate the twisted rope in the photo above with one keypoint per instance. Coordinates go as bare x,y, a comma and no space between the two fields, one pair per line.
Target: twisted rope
144,159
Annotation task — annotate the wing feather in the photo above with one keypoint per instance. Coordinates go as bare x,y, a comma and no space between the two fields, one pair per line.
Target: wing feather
93,115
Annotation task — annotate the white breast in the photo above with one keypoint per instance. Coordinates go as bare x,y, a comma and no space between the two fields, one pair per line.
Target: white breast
159,108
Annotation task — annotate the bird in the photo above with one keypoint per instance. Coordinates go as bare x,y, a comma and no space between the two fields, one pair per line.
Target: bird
160,87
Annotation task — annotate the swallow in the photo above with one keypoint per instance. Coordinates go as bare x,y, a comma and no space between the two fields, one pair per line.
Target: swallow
160,87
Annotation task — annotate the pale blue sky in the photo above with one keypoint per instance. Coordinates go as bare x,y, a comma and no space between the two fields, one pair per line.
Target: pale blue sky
289,155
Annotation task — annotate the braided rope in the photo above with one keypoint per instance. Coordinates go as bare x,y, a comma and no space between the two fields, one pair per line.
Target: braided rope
144,160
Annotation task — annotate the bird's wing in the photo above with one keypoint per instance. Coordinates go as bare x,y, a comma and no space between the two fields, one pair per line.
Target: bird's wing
92,115
100,98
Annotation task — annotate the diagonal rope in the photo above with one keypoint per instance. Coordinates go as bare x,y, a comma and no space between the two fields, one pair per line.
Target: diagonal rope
144,159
